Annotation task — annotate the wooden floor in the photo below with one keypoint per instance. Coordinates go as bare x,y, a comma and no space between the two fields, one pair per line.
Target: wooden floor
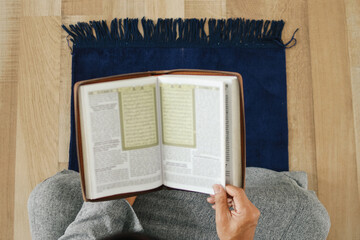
323,76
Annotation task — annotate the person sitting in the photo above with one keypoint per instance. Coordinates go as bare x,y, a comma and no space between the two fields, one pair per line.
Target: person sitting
274,205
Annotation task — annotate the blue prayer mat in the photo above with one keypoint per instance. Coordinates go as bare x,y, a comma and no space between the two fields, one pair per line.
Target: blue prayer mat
252,48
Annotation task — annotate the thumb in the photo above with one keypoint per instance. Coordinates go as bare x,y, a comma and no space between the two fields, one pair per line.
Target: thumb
222,208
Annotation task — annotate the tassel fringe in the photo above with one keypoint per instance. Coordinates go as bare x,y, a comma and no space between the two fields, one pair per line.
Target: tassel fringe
179,33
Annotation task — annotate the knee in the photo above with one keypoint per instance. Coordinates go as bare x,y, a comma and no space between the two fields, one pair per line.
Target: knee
312,221
63,185
318,220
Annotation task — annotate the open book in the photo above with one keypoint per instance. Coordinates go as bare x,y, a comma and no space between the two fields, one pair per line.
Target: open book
182,129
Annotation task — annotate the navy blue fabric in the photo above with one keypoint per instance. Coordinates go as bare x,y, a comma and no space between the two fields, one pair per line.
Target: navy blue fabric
264,77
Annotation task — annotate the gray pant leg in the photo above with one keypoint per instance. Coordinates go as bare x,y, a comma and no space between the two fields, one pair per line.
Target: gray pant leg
175,215
54,204
288,210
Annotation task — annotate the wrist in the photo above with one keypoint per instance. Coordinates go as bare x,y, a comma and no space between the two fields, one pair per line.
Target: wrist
246,234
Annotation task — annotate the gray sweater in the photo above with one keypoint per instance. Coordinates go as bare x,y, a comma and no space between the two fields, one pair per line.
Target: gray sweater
288,210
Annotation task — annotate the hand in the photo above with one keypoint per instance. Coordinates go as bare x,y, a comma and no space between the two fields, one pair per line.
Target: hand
239,223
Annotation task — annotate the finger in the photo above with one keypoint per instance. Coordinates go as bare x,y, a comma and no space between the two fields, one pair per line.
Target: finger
213,199
221,206
229,205
210,200
239,197
232,190
214,206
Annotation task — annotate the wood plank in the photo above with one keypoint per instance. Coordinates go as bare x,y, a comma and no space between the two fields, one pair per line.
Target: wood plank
8,93
62,166
352,8
37,111
164,9
205,9
298,69
9,40
128,8
333,117
9,53
81,7
41,8
135,8
114,8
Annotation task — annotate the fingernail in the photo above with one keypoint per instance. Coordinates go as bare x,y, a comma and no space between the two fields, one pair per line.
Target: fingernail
217,188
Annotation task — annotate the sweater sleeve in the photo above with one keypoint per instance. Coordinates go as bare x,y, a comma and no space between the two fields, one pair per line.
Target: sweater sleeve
101,219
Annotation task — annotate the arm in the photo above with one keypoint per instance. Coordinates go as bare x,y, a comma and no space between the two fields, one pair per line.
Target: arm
239,223
96,220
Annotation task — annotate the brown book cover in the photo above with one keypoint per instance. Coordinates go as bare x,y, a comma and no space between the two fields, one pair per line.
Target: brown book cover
145,74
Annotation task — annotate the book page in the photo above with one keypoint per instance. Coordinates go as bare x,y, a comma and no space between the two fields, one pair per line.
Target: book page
193,122
123,152
177,106
138,117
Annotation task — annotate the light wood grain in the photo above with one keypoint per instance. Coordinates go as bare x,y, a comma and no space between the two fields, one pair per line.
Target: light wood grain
114,8
135,9
333,117
9,39
205,9
352,9
81,7
37,111
41,7
7,157
323,84
9,52
62,166
164,9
